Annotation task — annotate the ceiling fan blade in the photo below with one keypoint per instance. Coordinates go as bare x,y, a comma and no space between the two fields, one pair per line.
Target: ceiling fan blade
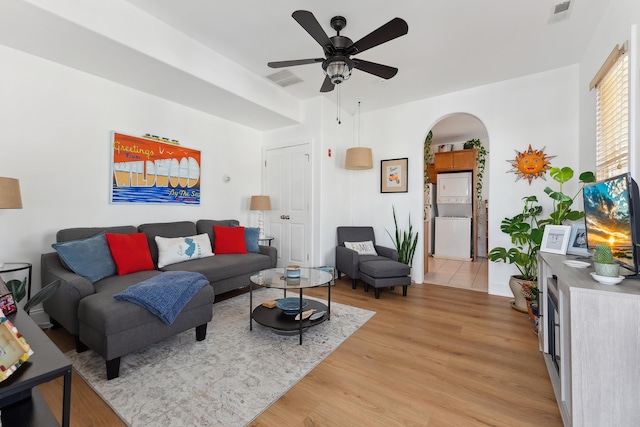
395,28
292,63
379,70
327,86
312,26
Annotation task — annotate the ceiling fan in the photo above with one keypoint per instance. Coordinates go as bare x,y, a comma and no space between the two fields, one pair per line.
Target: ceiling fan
338,50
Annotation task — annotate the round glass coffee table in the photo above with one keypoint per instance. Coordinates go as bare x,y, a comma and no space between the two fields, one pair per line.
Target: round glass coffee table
275,318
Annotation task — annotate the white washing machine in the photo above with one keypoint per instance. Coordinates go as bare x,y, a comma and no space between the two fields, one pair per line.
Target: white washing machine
453,238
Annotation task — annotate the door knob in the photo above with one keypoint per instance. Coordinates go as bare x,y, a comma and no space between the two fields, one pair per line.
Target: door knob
284,216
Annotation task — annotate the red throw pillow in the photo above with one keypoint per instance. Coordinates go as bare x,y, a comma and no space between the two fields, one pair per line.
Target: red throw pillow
229,240
130,252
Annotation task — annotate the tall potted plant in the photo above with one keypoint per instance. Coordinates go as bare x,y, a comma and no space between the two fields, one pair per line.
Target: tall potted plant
405,242
526,237
526,230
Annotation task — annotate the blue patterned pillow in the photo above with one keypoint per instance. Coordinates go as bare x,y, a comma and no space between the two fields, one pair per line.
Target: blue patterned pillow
89,258
251,235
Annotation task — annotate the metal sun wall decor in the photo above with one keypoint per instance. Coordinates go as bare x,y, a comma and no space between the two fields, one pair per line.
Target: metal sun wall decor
149,171
530,164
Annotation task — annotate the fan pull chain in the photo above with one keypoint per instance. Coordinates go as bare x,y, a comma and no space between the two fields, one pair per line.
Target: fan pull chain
338,102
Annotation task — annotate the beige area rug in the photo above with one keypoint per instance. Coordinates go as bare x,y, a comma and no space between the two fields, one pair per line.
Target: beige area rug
226,380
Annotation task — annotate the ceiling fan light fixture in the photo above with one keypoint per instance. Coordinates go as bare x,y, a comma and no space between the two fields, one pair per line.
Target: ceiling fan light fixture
338,70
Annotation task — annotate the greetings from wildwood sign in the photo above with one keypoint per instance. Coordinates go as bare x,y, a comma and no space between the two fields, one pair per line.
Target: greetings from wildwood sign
149,171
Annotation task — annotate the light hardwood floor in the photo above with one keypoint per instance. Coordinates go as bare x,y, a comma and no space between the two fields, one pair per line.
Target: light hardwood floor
441,356
459,274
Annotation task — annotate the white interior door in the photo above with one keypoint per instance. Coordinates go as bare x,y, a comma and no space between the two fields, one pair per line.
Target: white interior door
287,178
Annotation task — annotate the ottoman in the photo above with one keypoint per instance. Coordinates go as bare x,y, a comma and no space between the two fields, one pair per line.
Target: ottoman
384,274
114,328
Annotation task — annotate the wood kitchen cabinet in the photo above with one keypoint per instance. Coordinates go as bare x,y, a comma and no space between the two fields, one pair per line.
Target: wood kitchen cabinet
460,160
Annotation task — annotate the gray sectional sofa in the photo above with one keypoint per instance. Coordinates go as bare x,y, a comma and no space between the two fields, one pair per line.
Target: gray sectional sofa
114,328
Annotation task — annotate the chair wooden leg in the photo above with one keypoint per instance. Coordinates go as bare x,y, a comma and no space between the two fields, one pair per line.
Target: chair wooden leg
113,368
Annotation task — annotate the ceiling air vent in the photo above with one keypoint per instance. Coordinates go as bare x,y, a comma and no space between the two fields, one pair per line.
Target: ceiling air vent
560,12
284,78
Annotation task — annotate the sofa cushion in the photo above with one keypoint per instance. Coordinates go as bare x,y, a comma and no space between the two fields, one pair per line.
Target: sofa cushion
206,226
229,240
224,266
109,316
384,268
90,258
177,249
166,229
130,252
251,235
84,232
166,294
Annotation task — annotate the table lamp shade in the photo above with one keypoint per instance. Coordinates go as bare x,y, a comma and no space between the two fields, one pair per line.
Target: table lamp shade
10,194
359,158
260,203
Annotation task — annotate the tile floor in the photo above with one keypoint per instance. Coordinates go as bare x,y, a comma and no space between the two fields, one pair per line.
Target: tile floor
460,274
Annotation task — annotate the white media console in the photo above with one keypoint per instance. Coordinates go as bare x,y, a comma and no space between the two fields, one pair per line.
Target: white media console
591,344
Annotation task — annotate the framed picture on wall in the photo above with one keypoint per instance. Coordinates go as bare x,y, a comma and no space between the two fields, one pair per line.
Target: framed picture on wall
393,175
578,240
555,239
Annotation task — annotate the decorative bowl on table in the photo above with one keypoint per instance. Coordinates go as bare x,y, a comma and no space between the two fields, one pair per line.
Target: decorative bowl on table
292,271
291,306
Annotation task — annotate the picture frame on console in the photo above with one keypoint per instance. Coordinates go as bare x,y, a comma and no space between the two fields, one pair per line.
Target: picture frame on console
555,239
578,240
393,175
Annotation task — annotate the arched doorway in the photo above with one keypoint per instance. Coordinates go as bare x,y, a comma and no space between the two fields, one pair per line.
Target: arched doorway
450,134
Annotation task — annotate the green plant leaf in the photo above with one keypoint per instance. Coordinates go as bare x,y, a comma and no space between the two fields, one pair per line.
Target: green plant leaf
18,289
42,295
561,175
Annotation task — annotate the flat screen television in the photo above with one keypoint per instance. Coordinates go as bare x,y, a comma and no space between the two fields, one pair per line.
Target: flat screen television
611,210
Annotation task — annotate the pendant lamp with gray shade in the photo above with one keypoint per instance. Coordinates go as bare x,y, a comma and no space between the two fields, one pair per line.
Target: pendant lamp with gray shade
358,158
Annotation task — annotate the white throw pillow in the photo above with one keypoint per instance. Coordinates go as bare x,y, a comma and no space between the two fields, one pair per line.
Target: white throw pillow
178,249
363,248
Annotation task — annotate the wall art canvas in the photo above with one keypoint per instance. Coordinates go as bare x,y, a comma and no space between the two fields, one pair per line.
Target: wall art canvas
393,175
149,171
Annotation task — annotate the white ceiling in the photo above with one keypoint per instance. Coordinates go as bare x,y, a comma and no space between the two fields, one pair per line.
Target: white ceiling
177,49
451,45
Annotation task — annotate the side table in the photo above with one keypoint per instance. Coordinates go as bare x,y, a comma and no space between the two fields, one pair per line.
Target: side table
266,239
21,402
10,267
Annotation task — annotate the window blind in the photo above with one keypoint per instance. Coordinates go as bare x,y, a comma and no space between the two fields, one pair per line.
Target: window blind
612,122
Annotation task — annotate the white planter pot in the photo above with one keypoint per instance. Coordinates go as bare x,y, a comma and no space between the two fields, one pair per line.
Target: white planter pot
520,302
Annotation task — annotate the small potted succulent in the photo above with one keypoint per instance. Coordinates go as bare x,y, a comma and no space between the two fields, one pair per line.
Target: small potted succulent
603,261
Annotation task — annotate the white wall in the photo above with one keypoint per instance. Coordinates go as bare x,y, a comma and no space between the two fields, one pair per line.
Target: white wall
56,127
615,28
331,183
541,110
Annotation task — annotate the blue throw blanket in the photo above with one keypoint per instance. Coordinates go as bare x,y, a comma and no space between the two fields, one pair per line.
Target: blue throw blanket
166,294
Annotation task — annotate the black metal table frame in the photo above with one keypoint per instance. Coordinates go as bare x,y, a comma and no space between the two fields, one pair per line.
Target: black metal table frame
22,381
327,284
